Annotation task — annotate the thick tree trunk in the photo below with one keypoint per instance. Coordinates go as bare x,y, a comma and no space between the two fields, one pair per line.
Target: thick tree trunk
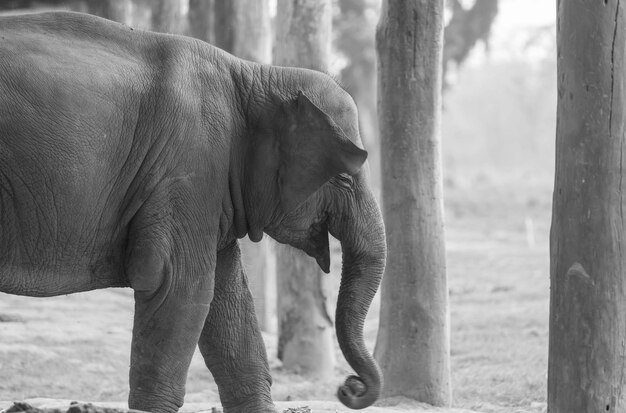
354,38
587,356
259,262
166,16
116,10
243,28
303,31
413,338
305,342
201,19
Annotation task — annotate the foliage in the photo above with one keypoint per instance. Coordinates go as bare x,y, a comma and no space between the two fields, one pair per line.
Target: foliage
354,24
466,27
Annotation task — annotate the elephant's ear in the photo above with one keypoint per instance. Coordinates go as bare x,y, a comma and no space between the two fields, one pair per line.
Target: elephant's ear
313,149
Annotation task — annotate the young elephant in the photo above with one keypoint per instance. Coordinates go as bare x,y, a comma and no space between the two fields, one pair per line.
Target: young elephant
135,159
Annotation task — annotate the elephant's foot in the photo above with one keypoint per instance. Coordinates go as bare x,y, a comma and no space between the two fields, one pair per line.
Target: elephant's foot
249,394
257,405
156,402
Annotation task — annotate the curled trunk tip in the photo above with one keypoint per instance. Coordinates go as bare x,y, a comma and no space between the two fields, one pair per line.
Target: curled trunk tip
356,394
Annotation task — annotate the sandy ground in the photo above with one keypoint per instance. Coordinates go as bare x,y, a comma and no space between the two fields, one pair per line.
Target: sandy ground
398,405
76,347
81,342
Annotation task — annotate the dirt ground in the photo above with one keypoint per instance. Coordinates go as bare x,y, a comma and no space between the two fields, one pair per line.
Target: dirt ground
391,406
76,347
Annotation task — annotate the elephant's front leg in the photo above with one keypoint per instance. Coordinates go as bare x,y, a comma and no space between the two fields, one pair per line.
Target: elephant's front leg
231,341
170,310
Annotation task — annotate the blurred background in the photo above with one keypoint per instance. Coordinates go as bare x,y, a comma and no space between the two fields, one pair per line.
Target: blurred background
498,127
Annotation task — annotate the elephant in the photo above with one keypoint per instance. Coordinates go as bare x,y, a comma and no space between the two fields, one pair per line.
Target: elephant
136,159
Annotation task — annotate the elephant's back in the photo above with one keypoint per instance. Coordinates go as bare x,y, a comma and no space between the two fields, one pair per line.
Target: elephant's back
92,116
69,101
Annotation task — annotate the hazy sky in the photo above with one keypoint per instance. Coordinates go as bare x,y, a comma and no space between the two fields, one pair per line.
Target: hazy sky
515,23
527,13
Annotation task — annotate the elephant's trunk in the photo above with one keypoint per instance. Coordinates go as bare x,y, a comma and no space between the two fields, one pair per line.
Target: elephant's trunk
363,244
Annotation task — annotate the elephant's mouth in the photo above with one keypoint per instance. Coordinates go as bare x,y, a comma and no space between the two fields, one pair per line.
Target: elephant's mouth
313,241
317,245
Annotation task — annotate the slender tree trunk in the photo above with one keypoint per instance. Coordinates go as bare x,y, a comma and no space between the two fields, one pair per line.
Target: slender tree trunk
260,265
413,338
166,16
355,39
116,10
305,341
201,19
303,35
587,356
243,28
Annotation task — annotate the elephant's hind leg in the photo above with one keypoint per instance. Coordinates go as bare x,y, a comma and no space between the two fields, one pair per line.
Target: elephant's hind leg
231,341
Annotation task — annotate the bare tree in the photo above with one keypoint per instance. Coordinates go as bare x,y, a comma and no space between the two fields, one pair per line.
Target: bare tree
166,15
116,10
243,28
587,355
413,338
201,19
303,35
27,4
354,38
466,28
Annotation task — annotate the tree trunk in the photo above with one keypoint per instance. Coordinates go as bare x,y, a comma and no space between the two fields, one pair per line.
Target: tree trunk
412,346
587,355
243,28
166,16
260,265
116,10
303,35
201,20
354,38
305,341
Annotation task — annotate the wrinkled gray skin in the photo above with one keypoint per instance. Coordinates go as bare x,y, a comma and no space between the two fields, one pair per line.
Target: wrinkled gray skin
134,159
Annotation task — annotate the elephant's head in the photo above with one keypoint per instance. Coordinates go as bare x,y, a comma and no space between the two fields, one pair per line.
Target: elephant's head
305,173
